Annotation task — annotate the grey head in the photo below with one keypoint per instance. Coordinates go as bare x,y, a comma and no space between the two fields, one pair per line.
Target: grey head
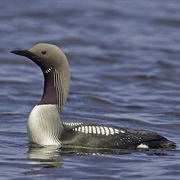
55,68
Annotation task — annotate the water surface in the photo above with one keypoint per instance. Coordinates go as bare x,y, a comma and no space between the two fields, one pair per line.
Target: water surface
125,67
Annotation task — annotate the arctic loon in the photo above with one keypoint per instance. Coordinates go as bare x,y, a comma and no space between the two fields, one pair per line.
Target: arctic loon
45,126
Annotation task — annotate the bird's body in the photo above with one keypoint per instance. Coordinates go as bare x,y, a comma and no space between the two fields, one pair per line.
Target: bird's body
45,126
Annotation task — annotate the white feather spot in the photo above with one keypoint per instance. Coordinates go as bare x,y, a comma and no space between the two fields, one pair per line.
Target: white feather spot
122,131
106,130
79,129
82,130
90,129
142,146
86,130
94,130
98,130
116,131
72,123
111,131
48,70
102,130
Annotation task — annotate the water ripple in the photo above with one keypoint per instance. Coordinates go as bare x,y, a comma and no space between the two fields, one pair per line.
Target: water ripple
124,60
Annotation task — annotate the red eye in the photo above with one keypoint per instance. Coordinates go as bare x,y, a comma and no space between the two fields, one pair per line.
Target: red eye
43,52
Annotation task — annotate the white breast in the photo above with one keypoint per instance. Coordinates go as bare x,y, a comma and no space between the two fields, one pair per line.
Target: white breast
44,126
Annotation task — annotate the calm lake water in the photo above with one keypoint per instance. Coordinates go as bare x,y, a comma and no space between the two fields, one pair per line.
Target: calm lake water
125,71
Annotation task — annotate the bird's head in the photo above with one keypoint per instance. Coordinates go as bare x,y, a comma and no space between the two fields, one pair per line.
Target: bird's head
55,68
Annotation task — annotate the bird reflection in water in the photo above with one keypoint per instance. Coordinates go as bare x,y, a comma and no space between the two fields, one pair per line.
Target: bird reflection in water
47,155
52,156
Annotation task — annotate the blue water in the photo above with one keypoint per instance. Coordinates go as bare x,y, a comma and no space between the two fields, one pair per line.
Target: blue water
125,67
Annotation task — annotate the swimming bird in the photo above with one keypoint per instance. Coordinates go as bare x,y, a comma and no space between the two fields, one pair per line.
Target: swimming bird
45,126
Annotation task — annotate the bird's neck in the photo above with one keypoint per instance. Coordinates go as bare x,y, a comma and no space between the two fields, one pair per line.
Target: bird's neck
56,88
49,94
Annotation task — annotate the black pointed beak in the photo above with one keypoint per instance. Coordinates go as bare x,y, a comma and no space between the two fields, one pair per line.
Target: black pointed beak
29,55
40,62
25,53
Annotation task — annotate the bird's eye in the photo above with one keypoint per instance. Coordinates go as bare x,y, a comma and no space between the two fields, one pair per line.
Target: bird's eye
43,52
